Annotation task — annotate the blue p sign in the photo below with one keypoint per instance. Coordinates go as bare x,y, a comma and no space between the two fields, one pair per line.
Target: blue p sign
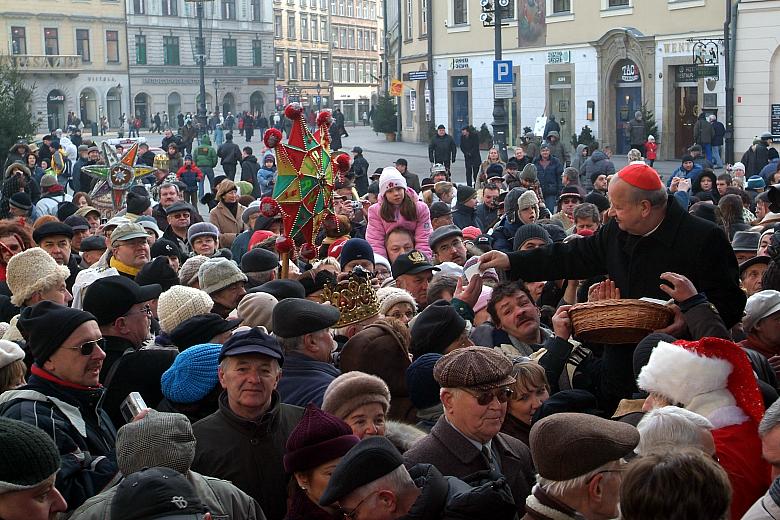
502,72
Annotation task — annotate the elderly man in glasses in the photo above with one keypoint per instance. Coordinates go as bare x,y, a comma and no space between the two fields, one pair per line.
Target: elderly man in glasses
62,397
475,387
122,310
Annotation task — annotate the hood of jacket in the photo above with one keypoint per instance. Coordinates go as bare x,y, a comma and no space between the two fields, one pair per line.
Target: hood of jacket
553,133
598,155
205,140
511,203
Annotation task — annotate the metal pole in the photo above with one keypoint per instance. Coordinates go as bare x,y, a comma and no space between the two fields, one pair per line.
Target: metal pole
728,66
201,66
500,121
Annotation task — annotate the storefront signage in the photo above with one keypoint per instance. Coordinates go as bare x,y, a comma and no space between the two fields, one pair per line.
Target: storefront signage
396,88
419,75
101,79
554,57
56,98
629,72
686,73
459,63
707,71
678,47
775,120
706,52
170,81
412,100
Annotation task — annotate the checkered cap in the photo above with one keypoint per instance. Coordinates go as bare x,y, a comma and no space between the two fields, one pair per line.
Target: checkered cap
478,368
158,440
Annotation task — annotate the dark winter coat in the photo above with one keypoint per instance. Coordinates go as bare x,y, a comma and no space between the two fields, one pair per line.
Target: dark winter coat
442,149
464,217
469,145
550,176
718,133
637,132
335,136
516,428
229,153
360,169
450,498
412,180
597,163
504,235
304,380
754,159
702,131
248,453
175,139
454,455
188,134
81,430
249,169
487,216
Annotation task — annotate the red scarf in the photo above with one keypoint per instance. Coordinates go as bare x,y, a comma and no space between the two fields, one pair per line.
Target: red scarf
43,374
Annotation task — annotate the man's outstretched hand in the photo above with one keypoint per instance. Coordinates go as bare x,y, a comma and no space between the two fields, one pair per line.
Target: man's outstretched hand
494,259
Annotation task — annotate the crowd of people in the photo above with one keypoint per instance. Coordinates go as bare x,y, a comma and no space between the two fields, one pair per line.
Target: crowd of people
424,364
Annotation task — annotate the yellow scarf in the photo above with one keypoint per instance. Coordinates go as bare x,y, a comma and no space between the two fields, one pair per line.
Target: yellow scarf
122,267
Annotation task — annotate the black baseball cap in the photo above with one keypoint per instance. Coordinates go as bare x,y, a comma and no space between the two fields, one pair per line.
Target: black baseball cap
160,493
111,297
164,247
412,262
253,341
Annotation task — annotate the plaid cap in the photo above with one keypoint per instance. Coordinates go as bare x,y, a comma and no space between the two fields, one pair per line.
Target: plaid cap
477,368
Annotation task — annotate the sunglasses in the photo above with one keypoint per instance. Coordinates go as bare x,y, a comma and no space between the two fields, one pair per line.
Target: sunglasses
86,349
485,398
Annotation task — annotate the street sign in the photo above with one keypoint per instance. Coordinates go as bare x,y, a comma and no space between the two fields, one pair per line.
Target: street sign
503,91
502,72
420,75
707,71
396,88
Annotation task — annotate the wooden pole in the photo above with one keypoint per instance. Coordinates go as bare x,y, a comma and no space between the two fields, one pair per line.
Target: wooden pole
285,259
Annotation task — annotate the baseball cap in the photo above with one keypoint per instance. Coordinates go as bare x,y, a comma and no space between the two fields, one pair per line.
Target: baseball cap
759,306
412,262
253,341
127,232
160,493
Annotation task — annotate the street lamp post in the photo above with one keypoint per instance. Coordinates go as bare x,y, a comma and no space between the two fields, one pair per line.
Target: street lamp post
200,58
121,119
216,94
319,98
500,116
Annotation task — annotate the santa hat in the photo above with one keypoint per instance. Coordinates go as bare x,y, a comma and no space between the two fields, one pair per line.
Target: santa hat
642,176
687,370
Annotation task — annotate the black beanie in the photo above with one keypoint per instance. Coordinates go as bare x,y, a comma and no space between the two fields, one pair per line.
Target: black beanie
28,457
645,347
158,271
137,204
65,209
435,328
46,325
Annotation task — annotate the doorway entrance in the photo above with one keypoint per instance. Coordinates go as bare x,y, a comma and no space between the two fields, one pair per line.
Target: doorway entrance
88,107
142,109
686,111
560,103
460,105
55,109
629,100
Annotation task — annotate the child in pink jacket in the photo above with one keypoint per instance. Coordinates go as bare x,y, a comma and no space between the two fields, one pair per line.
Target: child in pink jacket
398,205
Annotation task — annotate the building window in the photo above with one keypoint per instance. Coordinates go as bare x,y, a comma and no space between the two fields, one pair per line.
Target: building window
303,3
361,73
304,27
228,9
305,68
373,41
460,12
343,37
372,6
323,30
18,40
360,39
313,4
277,26
333,7
350,8
279,65
344,73
139,6
409,20
257,53
315,31
82,44
112,46
324,5
229,53
358,9
561,6
366,43
51,42
325,69
374,77
171,50
291,27
257,11
292,72
424,18
351,38
336,72
140,49
618,3
315,68
352,77
341,7
170,8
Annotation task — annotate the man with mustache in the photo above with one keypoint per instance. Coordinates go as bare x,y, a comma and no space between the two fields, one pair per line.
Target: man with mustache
62,397
447,245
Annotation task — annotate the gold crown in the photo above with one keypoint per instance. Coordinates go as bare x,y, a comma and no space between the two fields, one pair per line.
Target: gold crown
161,161
355,298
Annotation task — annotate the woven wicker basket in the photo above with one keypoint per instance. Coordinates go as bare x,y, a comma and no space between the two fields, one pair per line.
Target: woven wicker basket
618,321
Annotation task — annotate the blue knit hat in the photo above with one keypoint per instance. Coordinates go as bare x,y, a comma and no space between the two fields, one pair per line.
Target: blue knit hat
422,387
356,249
193,374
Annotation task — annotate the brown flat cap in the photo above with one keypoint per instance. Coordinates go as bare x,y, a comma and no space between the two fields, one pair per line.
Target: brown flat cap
568,445
479,368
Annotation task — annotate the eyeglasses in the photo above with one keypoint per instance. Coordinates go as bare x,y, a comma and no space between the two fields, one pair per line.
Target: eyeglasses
146,309
485,398
86,349
352,514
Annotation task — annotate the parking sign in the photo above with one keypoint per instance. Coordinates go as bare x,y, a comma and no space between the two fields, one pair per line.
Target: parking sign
502,72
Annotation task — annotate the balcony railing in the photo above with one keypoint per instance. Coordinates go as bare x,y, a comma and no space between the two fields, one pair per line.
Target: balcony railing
50,64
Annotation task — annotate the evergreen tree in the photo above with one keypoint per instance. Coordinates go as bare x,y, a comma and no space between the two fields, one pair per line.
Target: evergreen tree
16,117
385,119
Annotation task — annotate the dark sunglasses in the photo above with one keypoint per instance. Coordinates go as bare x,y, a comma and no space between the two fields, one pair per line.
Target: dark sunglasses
86,349
485,398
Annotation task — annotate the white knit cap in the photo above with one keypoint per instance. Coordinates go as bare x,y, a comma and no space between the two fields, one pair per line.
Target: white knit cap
217,273
389,296
32,271
188,272
381,260
738,166
257,309
180,303
390,178
9,352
